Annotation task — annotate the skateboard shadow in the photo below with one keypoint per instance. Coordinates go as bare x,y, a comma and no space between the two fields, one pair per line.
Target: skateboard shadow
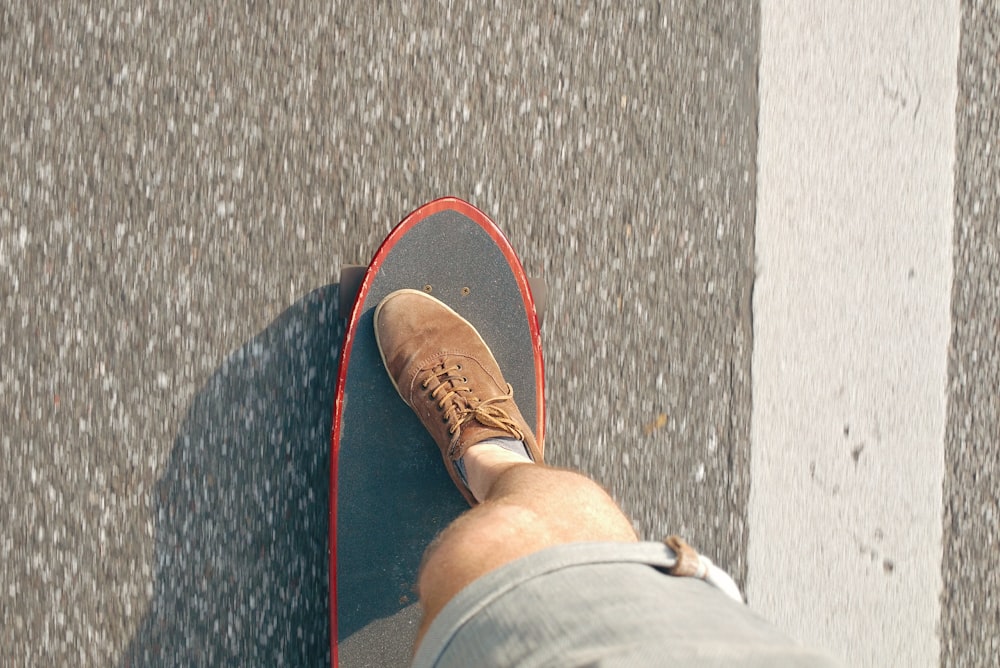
241,511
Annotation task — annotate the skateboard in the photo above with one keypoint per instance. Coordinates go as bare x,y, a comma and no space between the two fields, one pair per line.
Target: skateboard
389,491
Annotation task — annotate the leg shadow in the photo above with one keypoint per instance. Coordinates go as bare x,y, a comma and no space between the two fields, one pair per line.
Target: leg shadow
241,510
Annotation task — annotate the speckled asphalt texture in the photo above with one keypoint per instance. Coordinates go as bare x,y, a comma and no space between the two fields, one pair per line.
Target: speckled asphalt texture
970,615
179,190
180,185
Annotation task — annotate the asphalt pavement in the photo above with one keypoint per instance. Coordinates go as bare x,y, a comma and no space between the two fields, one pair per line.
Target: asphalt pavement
970,605
180,185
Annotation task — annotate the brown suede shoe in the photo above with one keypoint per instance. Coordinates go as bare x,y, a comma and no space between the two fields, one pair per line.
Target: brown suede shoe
446,373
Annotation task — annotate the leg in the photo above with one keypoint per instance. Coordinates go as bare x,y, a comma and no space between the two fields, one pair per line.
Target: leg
444,370
523,508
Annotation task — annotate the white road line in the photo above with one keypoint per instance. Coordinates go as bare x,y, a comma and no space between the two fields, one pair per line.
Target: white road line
851,323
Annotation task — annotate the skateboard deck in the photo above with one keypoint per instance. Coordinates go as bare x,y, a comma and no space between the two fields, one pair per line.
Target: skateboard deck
389,491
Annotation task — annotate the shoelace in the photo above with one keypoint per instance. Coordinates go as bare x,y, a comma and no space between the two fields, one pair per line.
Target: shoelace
460,405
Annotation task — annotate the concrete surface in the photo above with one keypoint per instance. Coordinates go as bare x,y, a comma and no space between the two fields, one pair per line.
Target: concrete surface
180,185
851,324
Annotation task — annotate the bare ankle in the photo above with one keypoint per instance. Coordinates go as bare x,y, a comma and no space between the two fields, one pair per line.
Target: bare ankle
485,463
